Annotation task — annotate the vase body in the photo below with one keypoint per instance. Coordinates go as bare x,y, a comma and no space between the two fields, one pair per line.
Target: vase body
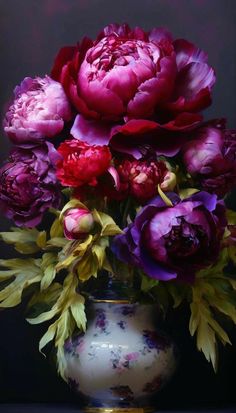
122,359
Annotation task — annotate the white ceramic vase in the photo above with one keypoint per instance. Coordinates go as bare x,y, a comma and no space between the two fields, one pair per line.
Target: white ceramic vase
123,359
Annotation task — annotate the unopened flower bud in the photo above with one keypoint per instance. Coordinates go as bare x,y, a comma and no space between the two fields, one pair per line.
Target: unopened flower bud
77,223
169,182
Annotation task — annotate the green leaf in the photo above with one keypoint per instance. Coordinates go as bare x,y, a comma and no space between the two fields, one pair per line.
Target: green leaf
108,225
77,310
48,296
148,283
57,242
207,294
25,240
164,197
178,292
187,192
49,261
42,239
231,216
87,267
47,337
25,272
162,296
70,313
56,230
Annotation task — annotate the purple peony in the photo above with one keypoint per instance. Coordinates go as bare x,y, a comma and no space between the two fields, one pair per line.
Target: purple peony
39,110
169,242
28,184
211,157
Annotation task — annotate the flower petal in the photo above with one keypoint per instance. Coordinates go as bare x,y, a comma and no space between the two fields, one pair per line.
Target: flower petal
90,131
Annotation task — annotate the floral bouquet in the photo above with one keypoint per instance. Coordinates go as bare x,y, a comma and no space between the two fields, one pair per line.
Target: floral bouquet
114,169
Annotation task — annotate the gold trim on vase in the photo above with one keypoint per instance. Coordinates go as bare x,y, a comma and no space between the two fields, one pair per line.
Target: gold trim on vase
96,300
119,410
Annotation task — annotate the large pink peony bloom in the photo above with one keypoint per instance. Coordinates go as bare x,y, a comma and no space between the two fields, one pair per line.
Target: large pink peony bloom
141,81
38,111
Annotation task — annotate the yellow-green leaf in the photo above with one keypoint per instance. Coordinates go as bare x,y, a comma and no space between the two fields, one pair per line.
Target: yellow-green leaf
187,192
108,225
24,239
47,297
78,311
87,267
42,239
25,273
49,261
178,292
47,337
164,197
57,242
148,283
56,230
231,216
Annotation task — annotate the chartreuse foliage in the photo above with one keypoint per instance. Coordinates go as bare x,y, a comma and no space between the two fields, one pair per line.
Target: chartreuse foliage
54,300
59,302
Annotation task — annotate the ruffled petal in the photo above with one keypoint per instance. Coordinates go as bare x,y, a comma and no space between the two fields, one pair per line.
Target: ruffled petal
91,131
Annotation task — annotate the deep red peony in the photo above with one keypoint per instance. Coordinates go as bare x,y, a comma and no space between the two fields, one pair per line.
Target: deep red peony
139,179
81,164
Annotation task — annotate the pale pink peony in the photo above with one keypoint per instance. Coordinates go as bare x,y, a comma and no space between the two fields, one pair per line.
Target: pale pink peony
38,111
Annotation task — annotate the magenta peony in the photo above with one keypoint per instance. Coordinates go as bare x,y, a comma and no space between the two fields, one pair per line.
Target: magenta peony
134,74
210,157
28,184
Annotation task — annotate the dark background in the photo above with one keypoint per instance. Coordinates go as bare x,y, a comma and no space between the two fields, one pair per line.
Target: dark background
32,31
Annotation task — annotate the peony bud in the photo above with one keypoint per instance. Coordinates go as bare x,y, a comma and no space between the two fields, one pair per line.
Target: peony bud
169,182
77,222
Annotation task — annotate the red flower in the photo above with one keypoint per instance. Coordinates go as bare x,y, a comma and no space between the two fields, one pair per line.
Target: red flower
138,179
81,164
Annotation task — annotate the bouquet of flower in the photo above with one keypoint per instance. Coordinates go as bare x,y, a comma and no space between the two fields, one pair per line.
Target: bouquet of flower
113,168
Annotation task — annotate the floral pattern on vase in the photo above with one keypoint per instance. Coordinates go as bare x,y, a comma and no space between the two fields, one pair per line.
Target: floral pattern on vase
121,358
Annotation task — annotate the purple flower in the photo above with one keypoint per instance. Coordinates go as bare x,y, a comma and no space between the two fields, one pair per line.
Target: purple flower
28,185
39,110
211,157
169,242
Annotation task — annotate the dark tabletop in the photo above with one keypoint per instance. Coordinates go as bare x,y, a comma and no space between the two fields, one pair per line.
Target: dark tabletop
62,408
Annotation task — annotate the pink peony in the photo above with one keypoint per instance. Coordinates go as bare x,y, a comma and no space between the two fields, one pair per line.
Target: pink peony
38,111
77,223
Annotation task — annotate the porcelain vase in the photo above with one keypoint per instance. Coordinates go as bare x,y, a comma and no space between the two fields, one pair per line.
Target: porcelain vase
122,360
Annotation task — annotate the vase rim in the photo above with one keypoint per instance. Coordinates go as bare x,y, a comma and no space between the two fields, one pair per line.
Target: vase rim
110,301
